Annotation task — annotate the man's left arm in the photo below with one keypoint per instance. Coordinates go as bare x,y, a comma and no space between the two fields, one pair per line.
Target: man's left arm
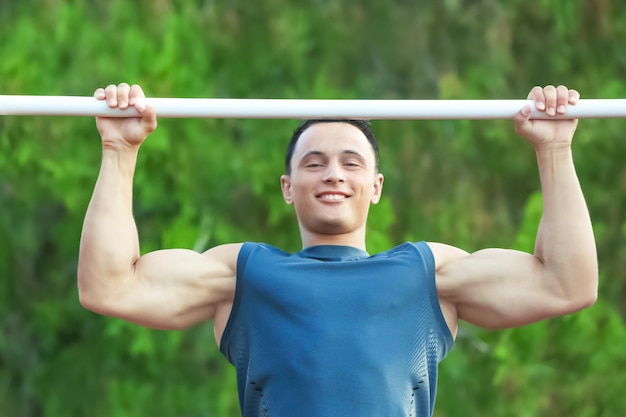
497,288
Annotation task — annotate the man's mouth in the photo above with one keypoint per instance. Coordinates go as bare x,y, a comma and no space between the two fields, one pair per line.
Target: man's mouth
332,196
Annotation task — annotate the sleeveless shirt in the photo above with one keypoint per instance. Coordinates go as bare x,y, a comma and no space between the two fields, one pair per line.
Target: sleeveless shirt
332,331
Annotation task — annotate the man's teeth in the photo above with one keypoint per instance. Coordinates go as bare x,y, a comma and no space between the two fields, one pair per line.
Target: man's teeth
333,196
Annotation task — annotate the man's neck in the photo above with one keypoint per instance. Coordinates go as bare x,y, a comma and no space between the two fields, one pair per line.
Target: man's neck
355,240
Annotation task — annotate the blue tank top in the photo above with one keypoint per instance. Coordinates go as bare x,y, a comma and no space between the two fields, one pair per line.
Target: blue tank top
332,331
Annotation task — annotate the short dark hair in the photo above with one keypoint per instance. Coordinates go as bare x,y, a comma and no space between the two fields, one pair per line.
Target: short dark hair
363,125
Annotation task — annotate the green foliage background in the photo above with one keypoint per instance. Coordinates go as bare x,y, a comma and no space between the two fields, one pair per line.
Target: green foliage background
205,182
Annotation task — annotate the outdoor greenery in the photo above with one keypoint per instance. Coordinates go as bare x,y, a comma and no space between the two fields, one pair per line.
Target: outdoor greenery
203,182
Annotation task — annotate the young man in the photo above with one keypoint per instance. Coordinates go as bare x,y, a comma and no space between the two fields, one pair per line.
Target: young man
331,330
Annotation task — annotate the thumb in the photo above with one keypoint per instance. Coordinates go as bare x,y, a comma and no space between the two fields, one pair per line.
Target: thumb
522,118
148,115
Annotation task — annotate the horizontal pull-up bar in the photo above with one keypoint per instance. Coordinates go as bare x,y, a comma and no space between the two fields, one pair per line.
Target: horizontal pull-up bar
303,109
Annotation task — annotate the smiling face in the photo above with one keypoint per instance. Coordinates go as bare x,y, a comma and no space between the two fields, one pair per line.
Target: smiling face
332,183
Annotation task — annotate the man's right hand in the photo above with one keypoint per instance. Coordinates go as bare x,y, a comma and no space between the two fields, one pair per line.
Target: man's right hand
125,133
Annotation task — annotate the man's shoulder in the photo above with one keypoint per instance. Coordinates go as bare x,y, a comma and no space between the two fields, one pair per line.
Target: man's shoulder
444,253
265,250
226,254
408,247
248,246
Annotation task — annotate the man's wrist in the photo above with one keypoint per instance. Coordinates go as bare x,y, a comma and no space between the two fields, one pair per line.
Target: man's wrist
119,146
553,148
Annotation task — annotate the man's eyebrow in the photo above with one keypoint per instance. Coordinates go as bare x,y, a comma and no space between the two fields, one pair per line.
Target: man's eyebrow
313,153
351,152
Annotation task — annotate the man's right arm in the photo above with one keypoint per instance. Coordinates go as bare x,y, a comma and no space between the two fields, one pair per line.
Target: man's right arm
167,289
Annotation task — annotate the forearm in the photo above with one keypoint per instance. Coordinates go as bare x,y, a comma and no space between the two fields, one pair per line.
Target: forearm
565,243
109,244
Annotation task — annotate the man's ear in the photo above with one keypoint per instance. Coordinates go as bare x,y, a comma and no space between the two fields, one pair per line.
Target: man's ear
285,186
378,188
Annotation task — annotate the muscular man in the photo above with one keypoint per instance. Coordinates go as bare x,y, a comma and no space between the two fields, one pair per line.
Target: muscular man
332,330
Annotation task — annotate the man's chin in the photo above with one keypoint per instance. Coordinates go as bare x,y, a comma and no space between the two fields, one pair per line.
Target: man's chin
333,227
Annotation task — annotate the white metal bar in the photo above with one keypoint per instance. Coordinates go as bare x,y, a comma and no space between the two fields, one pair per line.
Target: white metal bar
32,105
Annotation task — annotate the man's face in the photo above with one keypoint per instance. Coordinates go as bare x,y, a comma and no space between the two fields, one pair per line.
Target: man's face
333,179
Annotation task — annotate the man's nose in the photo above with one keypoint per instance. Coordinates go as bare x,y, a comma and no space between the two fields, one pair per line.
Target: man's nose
334,174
